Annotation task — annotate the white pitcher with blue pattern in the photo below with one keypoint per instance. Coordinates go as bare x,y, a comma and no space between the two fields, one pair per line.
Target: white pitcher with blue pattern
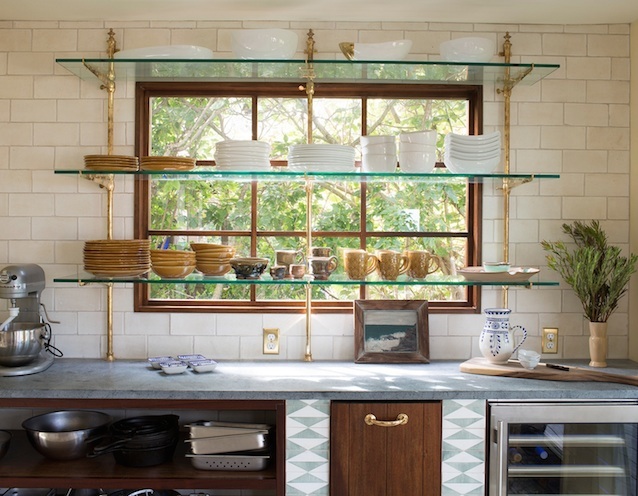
497,338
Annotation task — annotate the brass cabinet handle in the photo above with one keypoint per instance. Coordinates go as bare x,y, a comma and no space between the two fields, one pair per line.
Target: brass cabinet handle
402,419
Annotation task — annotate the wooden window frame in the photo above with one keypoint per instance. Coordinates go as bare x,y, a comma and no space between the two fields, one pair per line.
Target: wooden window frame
146,90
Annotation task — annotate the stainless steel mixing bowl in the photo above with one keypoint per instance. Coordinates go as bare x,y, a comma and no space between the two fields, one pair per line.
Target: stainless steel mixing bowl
21,343
66,434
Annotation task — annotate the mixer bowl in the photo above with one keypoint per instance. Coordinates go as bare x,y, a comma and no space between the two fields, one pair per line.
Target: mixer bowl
21,343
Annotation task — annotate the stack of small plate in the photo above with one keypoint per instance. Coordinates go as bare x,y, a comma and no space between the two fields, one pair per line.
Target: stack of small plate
472,154
109,163
167,163
170,264
242,155
321,158
117,258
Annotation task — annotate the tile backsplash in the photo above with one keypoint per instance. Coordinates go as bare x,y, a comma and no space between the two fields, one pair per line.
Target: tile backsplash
575,123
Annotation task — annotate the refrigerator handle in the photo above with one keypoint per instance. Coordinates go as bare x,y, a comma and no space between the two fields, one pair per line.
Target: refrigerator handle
501,452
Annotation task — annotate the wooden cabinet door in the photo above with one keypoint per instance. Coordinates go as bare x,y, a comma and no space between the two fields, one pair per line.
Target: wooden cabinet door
392,460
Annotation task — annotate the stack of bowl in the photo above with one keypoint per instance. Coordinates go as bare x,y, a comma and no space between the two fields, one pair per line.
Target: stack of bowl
213,259
172,264
417,151
378,154
479,154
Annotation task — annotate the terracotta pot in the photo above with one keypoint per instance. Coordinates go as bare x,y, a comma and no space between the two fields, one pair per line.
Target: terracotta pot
598,344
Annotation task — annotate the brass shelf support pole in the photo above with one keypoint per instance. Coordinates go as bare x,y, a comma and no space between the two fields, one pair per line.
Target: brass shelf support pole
308,73
508,84
107,181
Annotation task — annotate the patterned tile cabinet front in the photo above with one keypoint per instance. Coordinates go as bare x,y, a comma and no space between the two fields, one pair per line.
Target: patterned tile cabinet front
308,450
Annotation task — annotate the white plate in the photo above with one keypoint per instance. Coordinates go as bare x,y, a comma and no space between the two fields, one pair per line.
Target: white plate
515,274
166,52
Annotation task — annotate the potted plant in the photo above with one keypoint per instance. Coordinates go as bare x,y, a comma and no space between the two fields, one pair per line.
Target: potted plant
597,272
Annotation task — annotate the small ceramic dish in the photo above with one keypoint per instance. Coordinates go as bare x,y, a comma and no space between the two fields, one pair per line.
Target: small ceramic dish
496,266
155,361
528,359
205,365
188,358
174,367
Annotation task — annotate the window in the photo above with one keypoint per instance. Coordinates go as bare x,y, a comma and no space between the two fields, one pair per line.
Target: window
259,217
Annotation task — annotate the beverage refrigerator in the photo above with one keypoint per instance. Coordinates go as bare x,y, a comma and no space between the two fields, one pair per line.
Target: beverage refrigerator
564,447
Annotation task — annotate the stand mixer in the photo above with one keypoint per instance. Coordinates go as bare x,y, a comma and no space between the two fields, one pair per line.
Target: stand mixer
24,335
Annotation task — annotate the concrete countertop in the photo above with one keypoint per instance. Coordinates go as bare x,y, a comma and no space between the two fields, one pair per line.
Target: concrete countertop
135,379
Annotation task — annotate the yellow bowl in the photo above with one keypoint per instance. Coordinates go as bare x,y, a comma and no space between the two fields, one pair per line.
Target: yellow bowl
173,272
214,269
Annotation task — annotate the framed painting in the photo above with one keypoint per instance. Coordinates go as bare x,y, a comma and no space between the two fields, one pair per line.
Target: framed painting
391,331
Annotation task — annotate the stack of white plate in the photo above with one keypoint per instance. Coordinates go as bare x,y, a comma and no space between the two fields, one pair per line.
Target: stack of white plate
472,154
105,163
321,158
242,155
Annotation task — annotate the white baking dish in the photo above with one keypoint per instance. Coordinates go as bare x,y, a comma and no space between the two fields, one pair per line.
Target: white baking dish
210,428
228,444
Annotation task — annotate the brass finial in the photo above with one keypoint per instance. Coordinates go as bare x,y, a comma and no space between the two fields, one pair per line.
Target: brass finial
111,45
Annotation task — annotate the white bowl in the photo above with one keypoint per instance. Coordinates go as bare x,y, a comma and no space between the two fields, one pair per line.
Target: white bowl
529,359
474,138
166,52
275,44
389,50
416,147
417,162
496,266
469,49
204,365
173,367
423,137
459,166
380,149
379,162
374,140
452,152
473,148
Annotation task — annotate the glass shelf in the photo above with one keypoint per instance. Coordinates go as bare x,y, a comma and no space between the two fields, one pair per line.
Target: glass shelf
150,278
283,174
336,71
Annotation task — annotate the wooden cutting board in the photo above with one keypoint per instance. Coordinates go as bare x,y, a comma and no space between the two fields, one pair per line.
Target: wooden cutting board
543,372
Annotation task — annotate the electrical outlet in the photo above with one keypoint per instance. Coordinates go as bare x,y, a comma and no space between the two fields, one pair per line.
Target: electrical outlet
271,341
550,340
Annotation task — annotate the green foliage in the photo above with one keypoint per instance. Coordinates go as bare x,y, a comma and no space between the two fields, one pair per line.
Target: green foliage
220,211
596,271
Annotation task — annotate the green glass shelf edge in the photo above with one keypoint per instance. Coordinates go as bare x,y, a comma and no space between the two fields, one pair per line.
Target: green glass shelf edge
295,70
298,175
199,279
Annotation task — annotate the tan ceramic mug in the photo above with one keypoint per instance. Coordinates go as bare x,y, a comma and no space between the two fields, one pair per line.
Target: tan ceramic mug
421,264
358,264
391,264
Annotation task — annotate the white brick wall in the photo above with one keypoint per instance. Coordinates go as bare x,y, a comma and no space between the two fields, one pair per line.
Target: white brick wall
575,123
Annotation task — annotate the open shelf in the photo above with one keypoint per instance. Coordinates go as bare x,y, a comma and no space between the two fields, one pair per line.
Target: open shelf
25,467
284,174
336,71
86,277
